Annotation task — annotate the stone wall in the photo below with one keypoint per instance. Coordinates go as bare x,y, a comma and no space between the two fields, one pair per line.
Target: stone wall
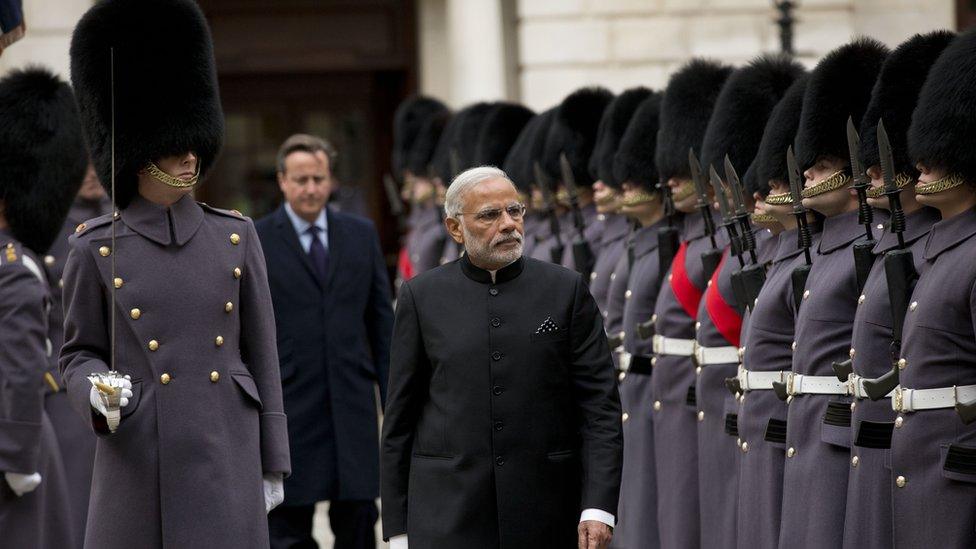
49,27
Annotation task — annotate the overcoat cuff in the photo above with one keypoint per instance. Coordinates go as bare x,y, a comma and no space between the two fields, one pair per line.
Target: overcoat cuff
275,457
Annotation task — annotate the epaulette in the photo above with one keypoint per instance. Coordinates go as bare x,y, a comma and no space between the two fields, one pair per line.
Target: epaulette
87,226
10,253
234,214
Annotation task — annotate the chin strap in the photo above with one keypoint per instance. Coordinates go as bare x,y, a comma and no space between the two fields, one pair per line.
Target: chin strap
168,179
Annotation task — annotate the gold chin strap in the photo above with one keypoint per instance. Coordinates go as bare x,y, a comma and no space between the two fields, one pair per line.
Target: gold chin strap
562,197
763,218
780,199
638,198
831,183
168,179
607,198
950,181
684,191
901,181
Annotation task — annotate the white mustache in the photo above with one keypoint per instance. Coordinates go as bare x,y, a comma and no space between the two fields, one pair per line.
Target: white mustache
514,237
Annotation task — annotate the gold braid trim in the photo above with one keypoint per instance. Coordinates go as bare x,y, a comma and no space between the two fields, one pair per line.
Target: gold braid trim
763,218
638,198
607,198
780,199
830,183
950,181
901,181
684,191
168,179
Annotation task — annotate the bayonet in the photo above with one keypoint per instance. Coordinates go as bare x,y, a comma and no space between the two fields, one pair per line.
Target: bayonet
583,258
549,204
728,220
897,221
712,257
863,250
748,239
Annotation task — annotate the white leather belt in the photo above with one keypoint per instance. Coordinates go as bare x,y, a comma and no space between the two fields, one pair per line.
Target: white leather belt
855,387
910,400
623,361
759,381
716,355
673,346
799,384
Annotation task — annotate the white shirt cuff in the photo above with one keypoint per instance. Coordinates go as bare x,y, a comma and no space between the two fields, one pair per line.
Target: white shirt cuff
398,542
587,514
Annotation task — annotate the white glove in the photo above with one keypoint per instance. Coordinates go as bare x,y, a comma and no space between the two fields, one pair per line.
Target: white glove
96,400
22,484
399,542
274,491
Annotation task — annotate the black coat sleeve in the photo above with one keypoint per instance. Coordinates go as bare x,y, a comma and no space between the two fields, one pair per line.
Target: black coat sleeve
379,315
596,395
408,386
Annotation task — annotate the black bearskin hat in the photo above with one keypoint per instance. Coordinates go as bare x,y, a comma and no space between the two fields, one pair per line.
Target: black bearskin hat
943,129
839,87
573,133
634,160
410,120
42,154
685,110
894,96
421,153
770,161
612,127
460,136
498,133
166,96
528,149
742,109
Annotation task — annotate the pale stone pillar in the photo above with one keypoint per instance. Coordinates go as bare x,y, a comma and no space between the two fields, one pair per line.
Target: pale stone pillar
49,27
476,51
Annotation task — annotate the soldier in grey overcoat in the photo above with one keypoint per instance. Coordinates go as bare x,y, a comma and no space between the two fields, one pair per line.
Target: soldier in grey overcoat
933,480
868,520
42,152
818,421
199,456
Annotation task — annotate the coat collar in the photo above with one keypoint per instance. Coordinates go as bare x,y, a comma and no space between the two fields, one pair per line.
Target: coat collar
917,225
645,238
694,225
839,231
617,227
478,274
163,225
950,232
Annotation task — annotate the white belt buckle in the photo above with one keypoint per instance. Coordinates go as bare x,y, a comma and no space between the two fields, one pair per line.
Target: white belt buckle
898,403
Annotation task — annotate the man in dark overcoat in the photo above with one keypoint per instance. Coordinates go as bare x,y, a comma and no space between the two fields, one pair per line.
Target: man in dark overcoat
43,155
334,318
503,423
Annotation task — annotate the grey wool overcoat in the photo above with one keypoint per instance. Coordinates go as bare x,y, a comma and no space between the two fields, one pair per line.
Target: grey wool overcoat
195,331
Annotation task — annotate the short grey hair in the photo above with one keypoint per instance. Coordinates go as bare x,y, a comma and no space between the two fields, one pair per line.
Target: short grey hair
464,182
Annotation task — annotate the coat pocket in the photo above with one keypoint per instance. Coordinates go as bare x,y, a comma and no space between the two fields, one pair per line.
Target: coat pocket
959,462
247,386
560,456
559,335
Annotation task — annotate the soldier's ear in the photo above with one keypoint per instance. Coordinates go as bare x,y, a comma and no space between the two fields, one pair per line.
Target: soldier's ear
454,229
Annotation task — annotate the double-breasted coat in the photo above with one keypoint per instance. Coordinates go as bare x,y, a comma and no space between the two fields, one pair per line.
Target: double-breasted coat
868,518
334,353
933,479
638,492
594,226
194,329
611,247
545,241
39,519
503,420
818,442
673,391
425,243
766,347
75,438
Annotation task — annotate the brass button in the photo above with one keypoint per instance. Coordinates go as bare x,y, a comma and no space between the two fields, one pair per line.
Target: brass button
237,272
697,370
738,442
793,346
806,294
235,239
697,326
853,405
851,352
654,319
214,376
901,481
165,379
104,251
745,447
118,282
621,376
592,276
913,306
626,416
791,452
153,345
219,340
657,405
613,276
627,294
49,260
228,307
902,363
861,299
854,461
898,421
135,314
701,415
80,228
654,361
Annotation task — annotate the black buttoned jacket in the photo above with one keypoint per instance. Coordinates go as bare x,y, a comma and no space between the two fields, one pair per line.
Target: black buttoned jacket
503,419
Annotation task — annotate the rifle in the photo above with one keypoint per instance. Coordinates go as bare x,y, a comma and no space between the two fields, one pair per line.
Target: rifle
863,250
728,222
754,275
667,237
583,257
899,266
396,205
549,206
711,258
